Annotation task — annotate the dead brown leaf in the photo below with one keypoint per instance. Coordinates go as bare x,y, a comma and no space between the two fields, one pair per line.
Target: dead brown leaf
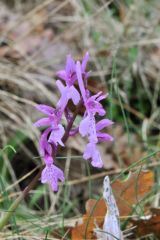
132,191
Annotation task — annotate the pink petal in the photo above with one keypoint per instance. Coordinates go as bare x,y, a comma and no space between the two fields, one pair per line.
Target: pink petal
104,137
84,61
103,123
51,174
44,176
70,65
80,81
92,129
99,109
56,135
101,112
62,74
60,86
94,154
62,103
92,98
88,151
95,107
45,109
74,95
43,122
102,97
96,159
84,126
44,146
48,159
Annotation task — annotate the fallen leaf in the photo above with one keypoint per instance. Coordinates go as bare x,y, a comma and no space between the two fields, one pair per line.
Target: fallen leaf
95,212
130,192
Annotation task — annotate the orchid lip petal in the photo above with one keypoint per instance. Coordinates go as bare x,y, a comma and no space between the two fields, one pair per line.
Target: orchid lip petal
51,174
96,160
88,151
94,154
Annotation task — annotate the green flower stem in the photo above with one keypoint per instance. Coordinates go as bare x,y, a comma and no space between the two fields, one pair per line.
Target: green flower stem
32,184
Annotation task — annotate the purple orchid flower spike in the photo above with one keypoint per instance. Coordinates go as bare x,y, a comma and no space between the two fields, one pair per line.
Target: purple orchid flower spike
51,174
52,136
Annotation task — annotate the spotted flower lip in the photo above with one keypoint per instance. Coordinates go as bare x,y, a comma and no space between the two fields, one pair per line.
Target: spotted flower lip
51,174
87,127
